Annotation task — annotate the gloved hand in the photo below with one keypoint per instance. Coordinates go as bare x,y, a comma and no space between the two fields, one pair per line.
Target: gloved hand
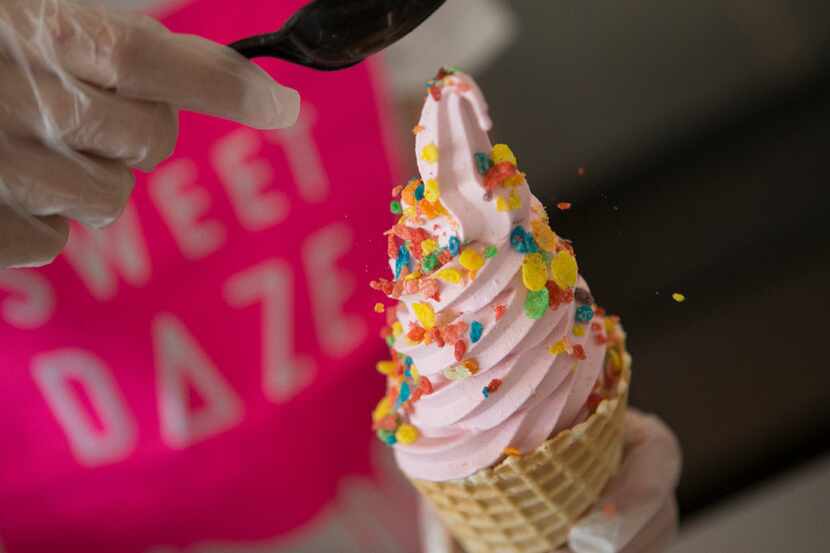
87,94
637,512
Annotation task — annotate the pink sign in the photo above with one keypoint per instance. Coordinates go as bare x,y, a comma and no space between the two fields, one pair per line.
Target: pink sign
202,371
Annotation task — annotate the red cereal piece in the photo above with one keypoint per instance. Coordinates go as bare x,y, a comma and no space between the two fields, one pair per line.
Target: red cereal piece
594,400
430,288
435,92
396,191
599,311
437,337
600,339
579,351
416,333
391,315
408,408
392,247
416,395
563,206
425,385
444,257
410,286
501,309
388,423
494,385
596,327
460,349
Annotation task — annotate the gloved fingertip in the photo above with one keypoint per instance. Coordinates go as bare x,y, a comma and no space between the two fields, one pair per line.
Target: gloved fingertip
284,108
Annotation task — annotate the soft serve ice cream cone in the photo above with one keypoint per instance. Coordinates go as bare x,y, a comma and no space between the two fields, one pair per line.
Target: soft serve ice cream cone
507,385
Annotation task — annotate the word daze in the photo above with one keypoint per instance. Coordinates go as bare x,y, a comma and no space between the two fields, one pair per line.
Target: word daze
103,259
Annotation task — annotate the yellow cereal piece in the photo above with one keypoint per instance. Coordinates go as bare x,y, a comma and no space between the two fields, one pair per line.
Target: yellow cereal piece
544,236
534,272
432,191
501,204
382,409
428,246
616,360
379,307
449,275
413,275
564,269
678,297
429,153
416,376
514,201
406,434
410,213
512,452
425,314
579,330
502,152
610,325
471,259
440,209
558,347
386,367
516,180
397,329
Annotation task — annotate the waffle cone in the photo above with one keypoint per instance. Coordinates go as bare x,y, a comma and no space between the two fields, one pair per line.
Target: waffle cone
528,504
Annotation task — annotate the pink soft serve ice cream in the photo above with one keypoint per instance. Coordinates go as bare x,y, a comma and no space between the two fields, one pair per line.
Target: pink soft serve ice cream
496,342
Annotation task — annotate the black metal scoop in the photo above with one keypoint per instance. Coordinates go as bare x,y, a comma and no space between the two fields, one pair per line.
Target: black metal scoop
334,34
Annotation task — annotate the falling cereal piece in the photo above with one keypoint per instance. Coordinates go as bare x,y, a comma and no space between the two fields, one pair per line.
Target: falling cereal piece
503,153
678,297
579,352
502,204
485,392
471,259
536,303
395,207
429,153
534,272
581,171
512,452
564,206
579,330
424,314
564,269
490,251
494,385
416,333
397,329
406,434
432,191
417,129
449,275
379,308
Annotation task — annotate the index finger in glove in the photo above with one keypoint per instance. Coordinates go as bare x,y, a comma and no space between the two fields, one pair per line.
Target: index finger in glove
139,58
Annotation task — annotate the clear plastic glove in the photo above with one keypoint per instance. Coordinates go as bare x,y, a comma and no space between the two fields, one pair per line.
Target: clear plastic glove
637,512
87,94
